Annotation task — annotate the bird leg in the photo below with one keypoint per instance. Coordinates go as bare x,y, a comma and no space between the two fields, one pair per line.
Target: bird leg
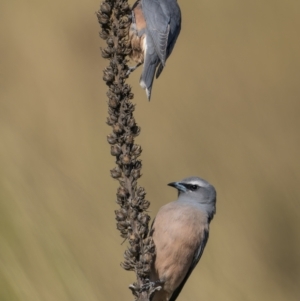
148,287
131,69
153,286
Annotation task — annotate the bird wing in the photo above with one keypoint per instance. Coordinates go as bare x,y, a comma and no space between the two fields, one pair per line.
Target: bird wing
196,259
171,43
158,15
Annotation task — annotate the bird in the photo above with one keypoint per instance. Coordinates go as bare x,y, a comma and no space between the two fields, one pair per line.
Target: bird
180,232
154,29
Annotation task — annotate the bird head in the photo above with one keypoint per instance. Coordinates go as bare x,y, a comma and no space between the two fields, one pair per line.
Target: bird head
197,191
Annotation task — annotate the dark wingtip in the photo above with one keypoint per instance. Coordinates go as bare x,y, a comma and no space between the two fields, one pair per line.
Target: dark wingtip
159,70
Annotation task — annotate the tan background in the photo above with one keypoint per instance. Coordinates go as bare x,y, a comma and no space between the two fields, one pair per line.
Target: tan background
226,108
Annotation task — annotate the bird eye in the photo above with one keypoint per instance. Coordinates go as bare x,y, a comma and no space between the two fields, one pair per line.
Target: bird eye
194,187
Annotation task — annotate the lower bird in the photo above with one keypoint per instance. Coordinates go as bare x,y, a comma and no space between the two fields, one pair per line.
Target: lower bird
153,33
180,233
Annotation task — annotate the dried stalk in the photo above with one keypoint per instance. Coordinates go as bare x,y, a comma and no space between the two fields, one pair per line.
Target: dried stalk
114,17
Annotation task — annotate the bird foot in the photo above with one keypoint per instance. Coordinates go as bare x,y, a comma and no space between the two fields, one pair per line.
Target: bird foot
149,288
152,286
131,69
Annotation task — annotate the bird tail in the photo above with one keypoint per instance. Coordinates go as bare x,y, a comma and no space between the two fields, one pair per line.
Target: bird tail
146,80
151,61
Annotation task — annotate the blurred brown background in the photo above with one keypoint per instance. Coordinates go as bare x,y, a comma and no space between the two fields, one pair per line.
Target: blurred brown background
226,108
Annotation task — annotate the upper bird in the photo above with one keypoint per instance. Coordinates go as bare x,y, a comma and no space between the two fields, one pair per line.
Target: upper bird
180,232
153,33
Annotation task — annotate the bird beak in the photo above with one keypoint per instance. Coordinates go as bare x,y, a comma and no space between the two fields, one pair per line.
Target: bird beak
178,186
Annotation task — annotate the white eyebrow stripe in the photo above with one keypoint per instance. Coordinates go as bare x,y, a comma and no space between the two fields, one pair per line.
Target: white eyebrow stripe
193,183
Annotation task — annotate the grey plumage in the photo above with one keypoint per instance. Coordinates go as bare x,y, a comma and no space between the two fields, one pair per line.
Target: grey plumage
204,196
163,25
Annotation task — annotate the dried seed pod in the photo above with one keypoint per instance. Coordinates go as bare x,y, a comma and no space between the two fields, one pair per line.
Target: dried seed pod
112,138
117,128
112,115
138,164
110,94
127,266
146,269
115,150
104,34
110,42
143,218
121,226
108,75
120,201
125,7
121,215
116,172
142,230
124,224
127,51
128,139
141,192
131,122
121,33
147,258
136,150
133,215
136,173
105,8
127,170
134,239
113,102
116,90
136,130
135,249
134,184
147,241
135,289
127,89
151,249
103,18
106,53
139,265
144,205
124,233
130,95
133,159
122,192
109,121
128,254
135,203
126,159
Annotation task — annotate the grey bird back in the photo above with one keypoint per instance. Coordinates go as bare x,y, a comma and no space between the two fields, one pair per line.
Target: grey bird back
163,18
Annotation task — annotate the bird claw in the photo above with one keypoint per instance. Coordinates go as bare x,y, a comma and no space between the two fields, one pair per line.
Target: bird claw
131,69
149,285
156,287
152,286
